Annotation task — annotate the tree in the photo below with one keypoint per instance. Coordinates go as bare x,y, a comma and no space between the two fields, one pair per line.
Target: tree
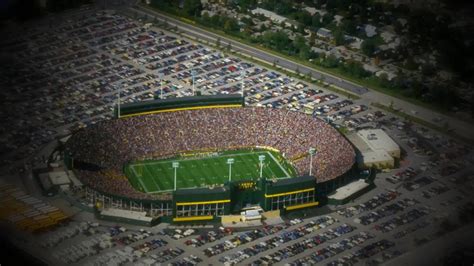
331,61
205,18
299,42
215,20
312,39
278,40
316,21
303,17
355,69
231,25
192,7
327,18
247,4
339,37
305,53
349,26
368,47
284,7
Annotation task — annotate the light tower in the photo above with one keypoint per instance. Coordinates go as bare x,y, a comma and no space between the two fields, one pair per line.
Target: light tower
118,102
311,151
161,86
261,158
175,165
230,161
242,77
193,73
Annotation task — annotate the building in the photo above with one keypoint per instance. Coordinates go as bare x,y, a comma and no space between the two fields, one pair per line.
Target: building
269,14
324,33
275,17
349,192
312,11
370,30
375,148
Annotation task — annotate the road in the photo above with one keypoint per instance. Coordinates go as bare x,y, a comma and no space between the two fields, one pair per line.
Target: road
253,52
461,127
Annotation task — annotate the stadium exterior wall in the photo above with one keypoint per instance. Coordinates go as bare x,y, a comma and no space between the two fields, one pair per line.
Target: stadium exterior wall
227,199
183,103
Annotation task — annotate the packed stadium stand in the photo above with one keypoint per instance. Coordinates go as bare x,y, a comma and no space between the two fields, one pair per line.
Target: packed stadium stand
101,151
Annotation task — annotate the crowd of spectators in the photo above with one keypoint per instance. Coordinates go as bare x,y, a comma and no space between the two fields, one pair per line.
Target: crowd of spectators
111,144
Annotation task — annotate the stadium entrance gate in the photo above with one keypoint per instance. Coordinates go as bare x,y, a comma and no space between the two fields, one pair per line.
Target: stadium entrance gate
247,192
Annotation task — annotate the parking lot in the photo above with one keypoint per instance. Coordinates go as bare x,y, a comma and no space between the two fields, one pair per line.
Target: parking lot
79,66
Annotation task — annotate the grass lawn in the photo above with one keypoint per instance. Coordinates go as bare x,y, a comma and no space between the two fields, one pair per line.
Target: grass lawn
200,170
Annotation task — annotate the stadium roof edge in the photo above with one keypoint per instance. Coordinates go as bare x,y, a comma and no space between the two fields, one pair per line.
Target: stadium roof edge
181,99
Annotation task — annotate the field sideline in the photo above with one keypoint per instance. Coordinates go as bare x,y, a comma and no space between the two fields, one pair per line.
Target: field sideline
154,176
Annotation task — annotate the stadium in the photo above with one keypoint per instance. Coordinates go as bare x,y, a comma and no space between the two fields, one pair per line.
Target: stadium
198,158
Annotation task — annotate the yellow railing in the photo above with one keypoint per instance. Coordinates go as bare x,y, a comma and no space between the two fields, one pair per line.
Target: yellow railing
192,218
202,202
300,206
288,193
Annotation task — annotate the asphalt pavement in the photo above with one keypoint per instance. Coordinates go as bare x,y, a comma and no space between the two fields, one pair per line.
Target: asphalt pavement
461,127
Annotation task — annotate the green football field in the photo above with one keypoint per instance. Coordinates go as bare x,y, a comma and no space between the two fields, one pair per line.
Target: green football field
154,176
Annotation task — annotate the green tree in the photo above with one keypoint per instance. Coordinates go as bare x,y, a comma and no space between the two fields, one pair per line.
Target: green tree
316,21
331,61
355,69
327,19
303,17
299,42
278,40
192,7
349,26
206,19
339,37
231,25
368,47
283,7
215,20
245,5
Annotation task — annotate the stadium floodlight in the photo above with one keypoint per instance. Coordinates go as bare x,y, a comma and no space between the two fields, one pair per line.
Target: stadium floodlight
242,77
230,161
161,86
175,166
193,73
118,102
311,151
261,158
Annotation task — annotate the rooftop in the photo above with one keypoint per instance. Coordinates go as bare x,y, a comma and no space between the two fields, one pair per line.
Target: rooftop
269,14
349,189
377,139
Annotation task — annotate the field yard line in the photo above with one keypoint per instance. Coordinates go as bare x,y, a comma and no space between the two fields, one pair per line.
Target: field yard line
139,178
205,158
281,167
152,178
